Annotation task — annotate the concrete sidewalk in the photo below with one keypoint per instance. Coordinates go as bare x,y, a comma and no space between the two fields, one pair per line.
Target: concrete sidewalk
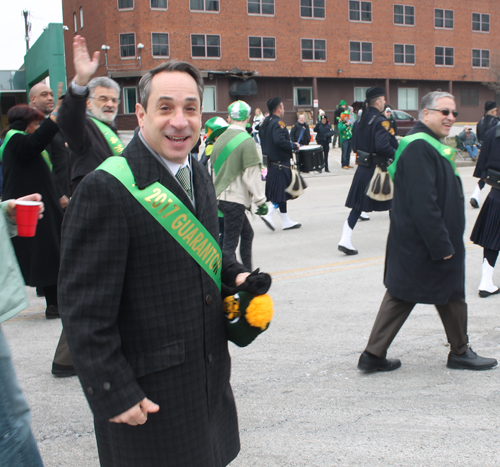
301,400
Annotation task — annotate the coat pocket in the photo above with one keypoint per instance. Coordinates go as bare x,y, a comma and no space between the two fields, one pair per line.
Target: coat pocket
158,359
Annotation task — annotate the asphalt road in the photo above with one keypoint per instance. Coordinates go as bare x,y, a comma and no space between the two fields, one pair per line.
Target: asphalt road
301,400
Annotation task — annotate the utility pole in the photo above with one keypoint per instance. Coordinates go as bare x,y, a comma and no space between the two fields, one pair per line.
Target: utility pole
27,28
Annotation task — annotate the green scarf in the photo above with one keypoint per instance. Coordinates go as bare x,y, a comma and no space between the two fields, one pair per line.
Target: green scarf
231,147
445,151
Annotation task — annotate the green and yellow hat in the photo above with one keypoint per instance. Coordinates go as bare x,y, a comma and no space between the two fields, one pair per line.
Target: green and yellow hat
239,110
215,127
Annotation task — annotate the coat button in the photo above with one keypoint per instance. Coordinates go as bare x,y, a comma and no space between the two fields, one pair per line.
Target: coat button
106,386
209,358
209,299
90,391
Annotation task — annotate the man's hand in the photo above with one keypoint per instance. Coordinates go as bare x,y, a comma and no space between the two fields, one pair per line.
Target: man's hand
64,201
448,257
84,66
138,414
11,206
53,115
240,278
297,145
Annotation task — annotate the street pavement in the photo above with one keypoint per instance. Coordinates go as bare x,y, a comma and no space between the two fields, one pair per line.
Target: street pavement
301,401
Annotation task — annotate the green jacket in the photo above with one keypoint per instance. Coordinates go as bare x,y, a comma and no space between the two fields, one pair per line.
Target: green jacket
345,132
13,298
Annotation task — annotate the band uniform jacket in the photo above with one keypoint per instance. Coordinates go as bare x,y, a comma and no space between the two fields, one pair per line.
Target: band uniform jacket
427,225
88,146
143,319
275,139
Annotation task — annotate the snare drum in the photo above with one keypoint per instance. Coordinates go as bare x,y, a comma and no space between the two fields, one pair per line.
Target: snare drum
311,158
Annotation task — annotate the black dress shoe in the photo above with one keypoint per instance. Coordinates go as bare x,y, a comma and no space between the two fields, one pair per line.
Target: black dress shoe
370,363
63,371
347,251
327,170
470,360
52,312
474,203
485,293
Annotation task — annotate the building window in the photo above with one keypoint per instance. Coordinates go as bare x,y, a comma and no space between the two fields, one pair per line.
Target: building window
480,58
205,46
443,56
313,49
209,99
480,22
360,94
125,4
470,97
302,96
404,15
408,98
204,5
443,19
81,17
127,45
360,52
75,21
129,100
312,8
262,48
161,4
360,11
260,7
404,54
159,45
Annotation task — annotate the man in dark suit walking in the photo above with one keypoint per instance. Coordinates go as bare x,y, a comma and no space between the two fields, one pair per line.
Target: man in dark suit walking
142,310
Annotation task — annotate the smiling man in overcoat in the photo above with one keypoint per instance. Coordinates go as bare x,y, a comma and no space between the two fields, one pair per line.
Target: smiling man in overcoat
143,316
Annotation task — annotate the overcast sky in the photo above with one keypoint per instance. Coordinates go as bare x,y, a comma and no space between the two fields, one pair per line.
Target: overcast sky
42,12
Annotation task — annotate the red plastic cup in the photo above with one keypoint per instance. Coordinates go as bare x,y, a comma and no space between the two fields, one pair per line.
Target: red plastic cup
27,217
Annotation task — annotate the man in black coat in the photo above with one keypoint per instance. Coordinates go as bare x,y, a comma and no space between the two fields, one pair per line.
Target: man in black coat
84,106
277,146
301,128
425,260
143,318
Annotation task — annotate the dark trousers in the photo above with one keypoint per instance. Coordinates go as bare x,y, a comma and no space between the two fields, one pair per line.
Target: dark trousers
393,313
346,152
326,149
336,135
237,229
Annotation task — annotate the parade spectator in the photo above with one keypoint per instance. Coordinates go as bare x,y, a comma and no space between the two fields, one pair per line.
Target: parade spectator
257,119
324,133
342,107
87,118
238,182
42,98
277,146
143,313
345,135
390,118
300,131
425,257
469,140
18,446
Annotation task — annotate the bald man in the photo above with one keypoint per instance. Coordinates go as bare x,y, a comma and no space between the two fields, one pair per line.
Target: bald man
42,98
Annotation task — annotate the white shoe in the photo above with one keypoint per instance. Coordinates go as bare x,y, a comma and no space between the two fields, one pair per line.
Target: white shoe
345,245
486,286
286,223
268,218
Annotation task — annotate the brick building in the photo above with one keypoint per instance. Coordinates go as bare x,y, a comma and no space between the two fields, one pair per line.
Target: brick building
312,53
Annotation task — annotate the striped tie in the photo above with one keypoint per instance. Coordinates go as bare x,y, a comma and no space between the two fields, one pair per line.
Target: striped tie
184,178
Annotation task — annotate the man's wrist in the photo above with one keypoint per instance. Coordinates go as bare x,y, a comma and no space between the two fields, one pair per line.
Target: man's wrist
78,89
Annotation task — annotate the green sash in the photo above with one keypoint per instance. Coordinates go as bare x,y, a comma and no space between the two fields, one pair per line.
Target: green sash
229,148
9,135
110,136
448,153
161,203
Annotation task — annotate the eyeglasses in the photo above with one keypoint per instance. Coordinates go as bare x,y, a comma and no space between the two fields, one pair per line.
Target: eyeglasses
105,99
446,112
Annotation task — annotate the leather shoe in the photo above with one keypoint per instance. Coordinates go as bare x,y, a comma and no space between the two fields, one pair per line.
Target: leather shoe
470,360
370,363
347,251
474,203
52,312
63,371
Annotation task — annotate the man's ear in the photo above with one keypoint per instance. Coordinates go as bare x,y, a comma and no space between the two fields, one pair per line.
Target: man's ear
88,104
140,113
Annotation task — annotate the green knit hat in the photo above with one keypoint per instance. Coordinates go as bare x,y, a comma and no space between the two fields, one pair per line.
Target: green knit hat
215,127
239,110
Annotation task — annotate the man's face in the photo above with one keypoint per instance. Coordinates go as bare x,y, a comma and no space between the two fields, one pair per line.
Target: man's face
42,99
302,119
280,111
388,113
103,104
172,121
494,112
436,121
380,103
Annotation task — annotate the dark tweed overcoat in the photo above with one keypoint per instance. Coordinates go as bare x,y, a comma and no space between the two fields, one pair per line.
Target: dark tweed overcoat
142,319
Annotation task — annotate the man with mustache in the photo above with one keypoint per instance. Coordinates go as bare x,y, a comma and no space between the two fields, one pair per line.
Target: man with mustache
86,119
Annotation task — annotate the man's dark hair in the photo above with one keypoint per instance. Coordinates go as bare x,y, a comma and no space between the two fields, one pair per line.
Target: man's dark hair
24,113
171,65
